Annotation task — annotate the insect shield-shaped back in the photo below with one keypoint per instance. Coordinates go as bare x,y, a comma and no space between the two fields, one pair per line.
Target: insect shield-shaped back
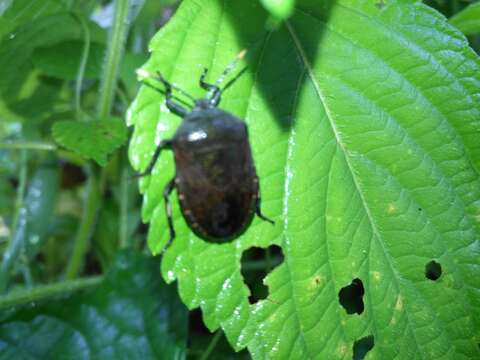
215,179
215,175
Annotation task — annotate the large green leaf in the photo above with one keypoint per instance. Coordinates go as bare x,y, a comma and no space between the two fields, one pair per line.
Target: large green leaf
364,121
17,12
132,315
16,49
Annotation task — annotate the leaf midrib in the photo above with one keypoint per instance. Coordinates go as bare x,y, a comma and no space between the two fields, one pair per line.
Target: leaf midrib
445,119
445,122
340,143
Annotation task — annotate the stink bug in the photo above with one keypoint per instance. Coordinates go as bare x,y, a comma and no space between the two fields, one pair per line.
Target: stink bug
215,178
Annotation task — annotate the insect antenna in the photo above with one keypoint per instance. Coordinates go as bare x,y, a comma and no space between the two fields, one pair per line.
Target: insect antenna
230,67
162,91
235,78
214,91
144,74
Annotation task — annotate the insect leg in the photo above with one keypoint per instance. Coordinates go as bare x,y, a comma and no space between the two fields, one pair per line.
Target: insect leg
258,210
168,209
206,85
164,144
171,104
214,90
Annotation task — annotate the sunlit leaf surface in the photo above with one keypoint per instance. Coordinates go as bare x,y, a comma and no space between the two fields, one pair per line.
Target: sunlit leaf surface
364,121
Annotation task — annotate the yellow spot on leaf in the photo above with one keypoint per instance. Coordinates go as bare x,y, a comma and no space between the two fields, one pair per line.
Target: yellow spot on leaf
399,304
343,350
392,208
477,217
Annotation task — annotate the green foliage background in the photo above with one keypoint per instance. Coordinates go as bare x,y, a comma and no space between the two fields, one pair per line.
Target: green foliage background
364,122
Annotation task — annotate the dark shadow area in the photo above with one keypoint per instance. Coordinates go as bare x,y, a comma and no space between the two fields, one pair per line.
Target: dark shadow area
256,263
71,175
351,297
362,347
433,270
196,325
200,338
92,265
276,57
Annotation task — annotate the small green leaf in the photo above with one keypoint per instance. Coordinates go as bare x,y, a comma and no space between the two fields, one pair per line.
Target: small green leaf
93,139
131,315
62,60
468,20
280,9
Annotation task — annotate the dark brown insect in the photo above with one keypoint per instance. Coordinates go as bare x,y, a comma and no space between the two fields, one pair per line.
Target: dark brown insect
215,178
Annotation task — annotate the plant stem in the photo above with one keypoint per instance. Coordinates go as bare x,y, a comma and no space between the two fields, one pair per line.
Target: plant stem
212,345
24,145
113,58
95,184
268,259
123,228
82,66
39,293
85,229
266,265
18,227
27,273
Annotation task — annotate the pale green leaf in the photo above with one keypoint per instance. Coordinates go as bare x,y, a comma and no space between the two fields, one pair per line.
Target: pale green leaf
364,122
93,139
468,20
281,9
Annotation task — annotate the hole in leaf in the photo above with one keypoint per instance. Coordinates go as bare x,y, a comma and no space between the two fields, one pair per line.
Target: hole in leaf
362,347
256,263
433,270
199,338
195,322
351,297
